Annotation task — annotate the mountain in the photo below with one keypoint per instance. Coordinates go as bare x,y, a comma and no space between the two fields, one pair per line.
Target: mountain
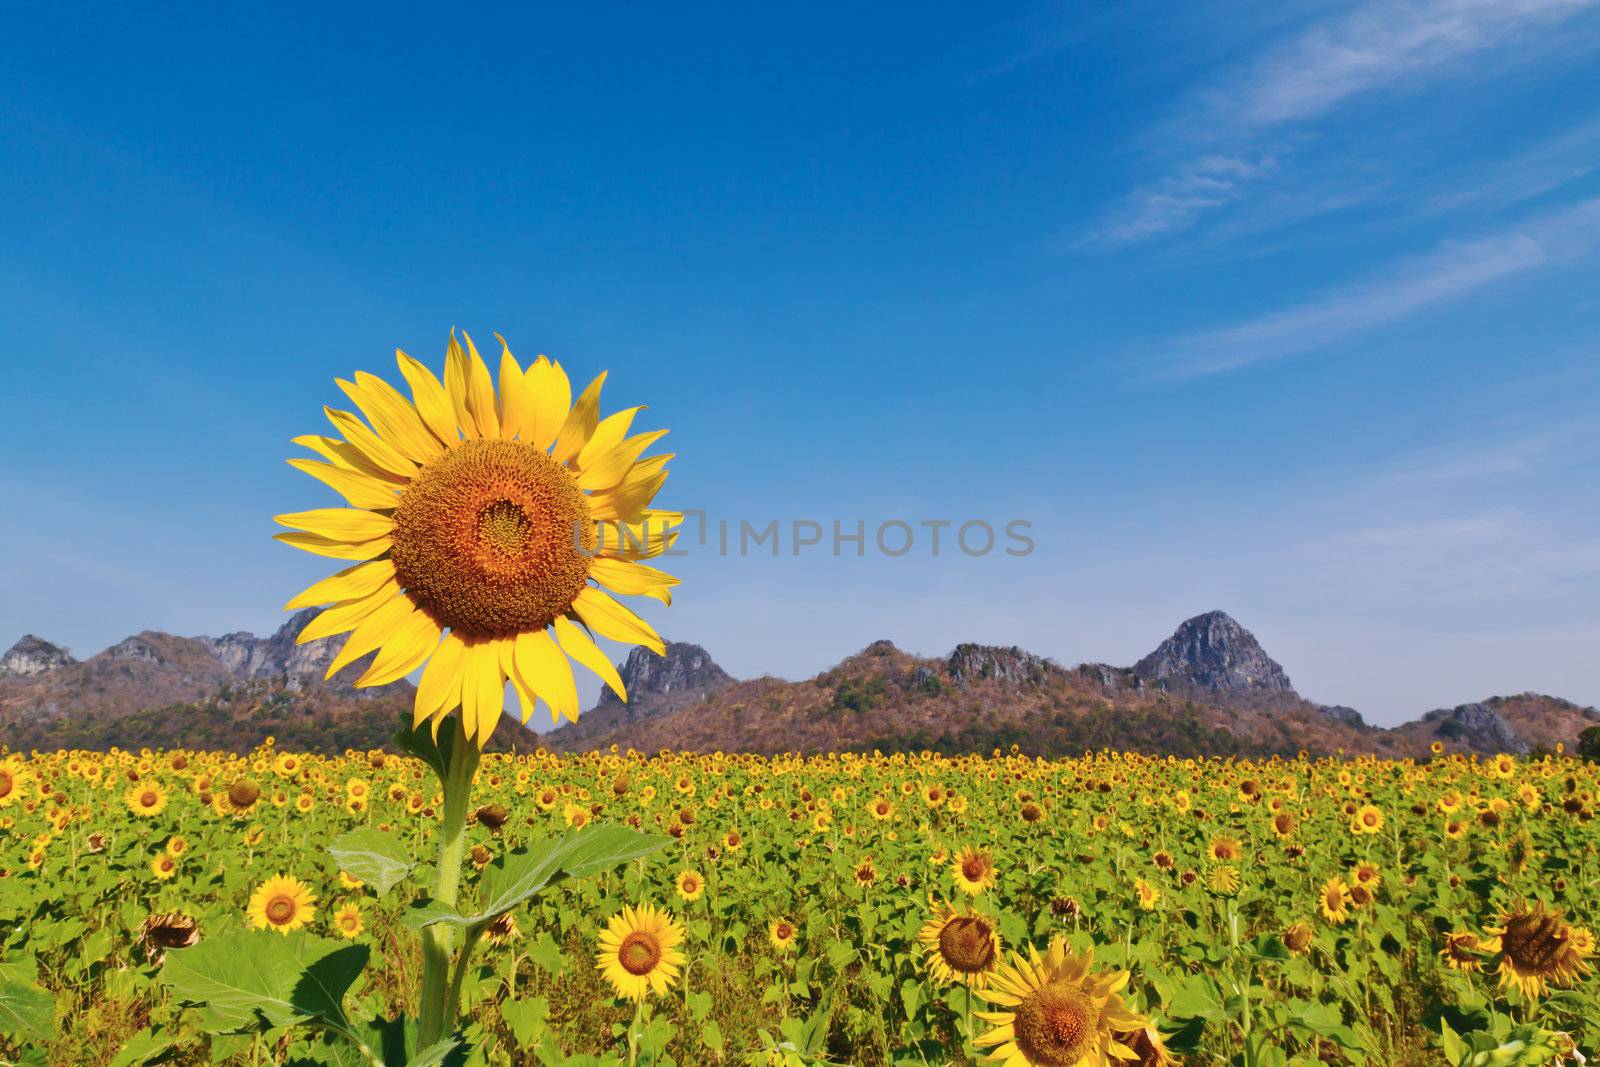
656,685
1208,689
1213,653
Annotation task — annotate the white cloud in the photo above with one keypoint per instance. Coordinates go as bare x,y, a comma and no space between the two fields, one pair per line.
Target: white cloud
1450,270
1174,202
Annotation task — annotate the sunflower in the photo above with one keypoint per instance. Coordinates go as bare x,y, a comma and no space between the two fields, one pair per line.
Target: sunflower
145,798
503,929
1536,948
1226,849
281,903
1367,820
1149,1048
487,530
638,951
13,776
1461,950
1336,900
691,885
1297,937
347,922
164,865
1149,895
781,933
973,870
164,931
960,946
1057,1011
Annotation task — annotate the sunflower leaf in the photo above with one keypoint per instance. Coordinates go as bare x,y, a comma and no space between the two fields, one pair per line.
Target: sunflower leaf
26,1011
373,856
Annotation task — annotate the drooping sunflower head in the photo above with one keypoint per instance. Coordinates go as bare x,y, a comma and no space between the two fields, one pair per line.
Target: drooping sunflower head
1298,936
1335,900
1537,948
163,931
1461,952
1055,1011
486,526
960,946
1149,1048
281,903
639,952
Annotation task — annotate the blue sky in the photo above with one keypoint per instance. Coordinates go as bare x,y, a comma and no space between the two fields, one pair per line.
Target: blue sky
1285,309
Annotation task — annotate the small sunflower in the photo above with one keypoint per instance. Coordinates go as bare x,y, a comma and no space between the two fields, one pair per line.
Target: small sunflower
781,933
146,799
1056,1012
347,922
1537,948
164,865
691,885
639,951
281,903
973,870
1367,820
960,946
487,531
1149,1048
1461,952
1336,900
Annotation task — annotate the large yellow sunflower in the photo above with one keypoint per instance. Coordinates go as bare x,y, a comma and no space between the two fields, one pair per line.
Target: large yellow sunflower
488,530
639,951
1057,1012
281,903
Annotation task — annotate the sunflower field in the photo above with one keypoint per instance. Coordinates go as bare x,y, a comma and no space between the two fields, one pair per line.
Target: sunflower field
199,907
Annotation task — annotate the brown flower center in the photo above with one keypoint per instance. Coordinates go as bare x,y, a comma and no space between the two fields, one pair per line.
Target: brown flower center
639,953
973,868
1534,941
966,944
484,539
1057,1025
280,910
243,793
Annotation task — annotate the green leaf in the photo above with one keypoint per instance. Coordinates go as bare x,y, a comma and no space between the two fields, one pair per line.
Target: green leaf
520,874
711,1036
248,980
141,1048
526,1018
435,1054
373,856
26,1011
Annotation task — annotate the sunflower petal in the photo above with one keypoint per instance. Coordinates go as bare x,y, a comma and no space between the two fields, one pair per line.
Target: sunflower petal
357,489
581,647
370,444
483,691
515,404
480,392
613,466
630,497
323,546
344,455
392,416
402,653
580,422
373,631
342,618
352,583
433,403
439,688
547,672
632,579
608,434
550,398
339,524
602,614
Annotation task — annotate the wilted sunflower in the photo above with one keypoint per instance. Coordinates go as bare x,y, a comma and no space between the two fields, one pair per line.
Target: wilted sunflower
1058,1013
1461,952
960,946
1297,937
1149,1048
486,528
1536,947
164,931
638,951
973,870
281,903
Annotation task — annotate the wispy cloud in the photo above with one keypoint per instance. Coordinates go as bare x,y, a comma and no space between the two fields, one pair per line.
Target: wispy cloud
1450,270
1252,114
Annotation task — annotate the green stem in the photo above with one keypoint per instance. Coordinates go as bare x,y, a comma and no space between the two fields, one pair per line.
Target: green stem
436,1013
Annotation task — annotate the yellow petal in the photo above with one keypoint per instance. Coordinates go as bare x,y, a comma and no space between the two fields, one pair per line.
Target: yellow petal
342,618
630,497
403,652
550,398
392,415
433,403
323,546
370,444
347,456
632,579
457,383
373,631
608,434
483,691
439,688
358,489
606,617
352,583
581,647
480,392
515,407
339,524
546,671
580,422
526,698
613,466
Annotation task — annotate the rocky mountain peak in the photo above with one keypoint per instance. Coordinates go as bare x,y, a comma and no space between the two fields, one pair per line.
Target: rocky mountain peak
970,663
1476,726
1213,652
279,658
33,655
685,670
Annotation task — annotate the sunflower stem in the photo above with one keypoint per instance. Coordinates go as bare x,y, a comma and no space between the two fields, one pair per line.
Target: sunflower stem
435,1015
